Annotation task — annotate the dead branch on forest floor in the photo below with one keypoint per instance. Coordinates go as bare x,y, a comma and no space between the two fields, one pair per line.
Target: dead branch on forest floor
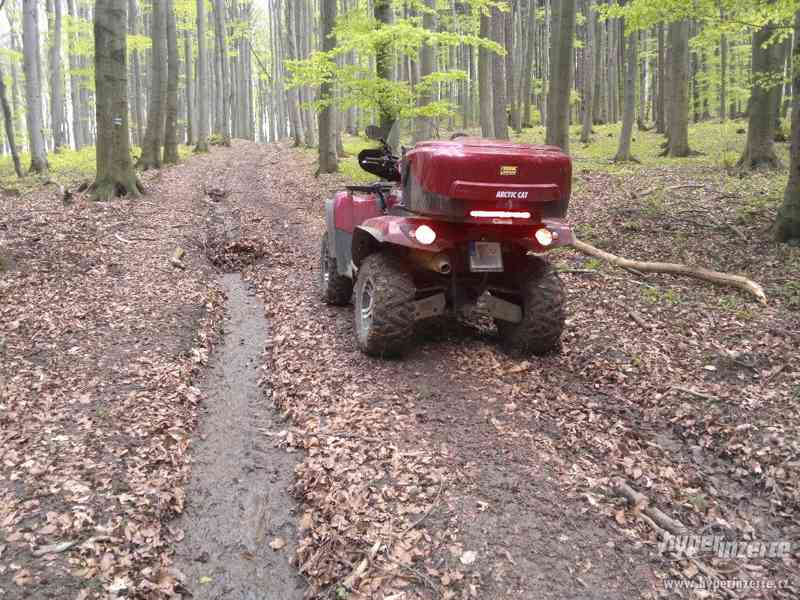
715,277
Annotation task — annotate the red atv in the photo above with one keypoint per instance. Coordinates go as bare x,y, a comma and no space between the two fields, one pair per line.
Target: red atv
449,222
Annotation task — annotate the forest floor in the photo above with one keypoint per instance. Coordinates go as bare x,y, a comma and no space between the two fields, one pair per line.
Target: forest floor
458,471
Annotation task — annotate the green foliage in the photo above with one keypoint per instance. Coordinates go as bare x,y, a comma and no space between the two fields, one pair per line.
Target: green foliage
359,34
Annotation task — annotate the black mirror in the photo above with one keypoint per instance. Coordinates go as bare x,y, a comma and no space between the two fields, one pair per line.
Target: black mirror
374,132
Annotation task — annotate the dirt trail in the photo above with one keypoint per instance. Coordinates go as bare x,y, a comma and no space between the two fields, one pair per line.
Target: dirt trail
237,499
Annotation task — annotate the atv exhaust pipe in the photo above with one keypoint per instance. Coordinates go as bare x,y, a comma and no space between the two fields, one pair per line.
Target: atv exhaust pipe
440,263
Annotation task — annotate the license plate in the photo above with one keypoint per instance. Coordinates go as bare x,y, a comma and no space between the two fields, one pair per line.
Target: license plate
485,256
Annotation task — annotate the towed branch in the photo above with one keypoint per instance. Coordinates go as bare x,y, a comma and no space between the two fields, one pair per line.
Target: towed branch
715,277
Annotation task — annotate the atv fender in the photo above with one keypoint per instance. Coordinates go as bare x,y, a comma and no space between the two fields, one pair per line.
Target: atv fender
391,230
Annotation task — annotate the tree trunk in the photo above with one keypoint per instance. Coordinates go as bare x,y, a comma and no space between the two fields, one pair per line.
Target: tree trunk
293,95
661,122
383,61
511,78
191,123
136,68
202,80
156,107
115,174
33,86
220,33
723,77
561,75
328,162
759,151
485,81
527,70
589,71
678,123
427,65
173,73
8,119
57,112
632,59
499,96
787,226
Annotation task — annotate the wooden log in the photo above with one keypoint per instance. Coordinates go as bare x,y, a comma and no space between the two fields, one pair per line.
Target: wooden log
715,277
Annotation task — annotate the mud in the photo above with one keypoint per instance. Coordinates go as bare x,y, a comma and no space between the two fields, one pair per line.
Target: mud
238,502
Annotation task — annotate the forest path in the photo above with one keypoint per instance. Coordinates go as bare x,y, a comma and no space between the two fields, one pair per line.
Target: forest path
497,522
238,502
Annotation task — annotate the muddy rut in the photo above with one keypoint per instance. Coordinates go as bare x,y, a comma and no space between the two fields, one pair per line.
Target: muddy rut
238,501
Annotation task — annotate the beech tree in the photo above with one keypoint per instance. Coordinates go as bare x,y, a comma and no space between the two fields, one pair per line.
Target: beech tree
486,101
58,116
558,99
202,80
33,86
8,121
328,162
787,226
156,108
759,149
115,174
171,114
221,45
631,67
678,92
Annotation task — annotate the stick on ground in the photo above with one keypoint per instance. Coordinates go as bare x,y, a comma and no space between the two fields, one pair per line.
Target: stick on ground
715,277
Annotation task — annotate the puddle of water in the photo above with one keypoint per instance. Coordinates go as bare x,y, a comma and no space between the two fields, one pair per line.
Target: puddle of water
237,500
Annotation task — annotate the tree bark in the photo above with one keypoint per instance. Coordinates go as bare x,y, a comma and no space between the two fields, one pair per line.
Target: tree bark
293,95
33,86
661,122
115,174
561,74
427,65
527,70
57,108
678,123
723,78
154,134
202,80
787,226
220,34
485,81
136,72
328,162
632,59
189,74
511,77
759,151
173,72
8,120
590,53
499,75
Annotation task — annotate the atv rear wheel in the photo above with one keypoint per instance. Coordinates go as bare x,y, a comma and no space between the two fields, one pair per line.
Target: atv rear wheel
543,301
384,306
335,289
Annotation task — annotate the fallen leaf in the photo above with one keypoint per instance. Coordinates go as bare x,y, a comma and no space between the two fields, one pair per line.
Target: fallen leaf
277,543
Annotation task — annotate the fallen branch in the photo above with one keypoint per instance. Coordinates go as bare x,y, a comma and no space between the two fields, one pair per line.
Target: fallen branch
638,499
715,277
54,548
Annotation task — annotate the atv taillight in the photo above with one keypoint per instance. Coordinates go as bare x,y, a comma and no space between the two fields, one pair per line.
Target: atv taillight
499,214
425,235
544,236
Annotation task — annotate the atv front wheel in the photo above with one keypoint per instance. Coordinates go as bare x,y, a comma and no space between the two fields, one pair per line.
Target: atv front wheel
335,289
543,301
384,306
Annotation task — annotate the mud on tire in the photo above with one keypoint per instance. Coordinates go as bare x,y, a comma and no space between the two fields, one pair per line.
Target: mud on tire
383,306
334,288
543,313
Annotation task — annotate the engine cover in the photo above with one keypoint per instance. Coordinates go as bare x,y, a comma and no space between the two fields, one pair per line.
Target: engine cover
454,179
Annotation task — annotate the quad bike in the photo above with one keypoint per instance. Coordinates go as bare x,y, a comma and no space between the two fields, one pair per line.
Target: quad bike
450,222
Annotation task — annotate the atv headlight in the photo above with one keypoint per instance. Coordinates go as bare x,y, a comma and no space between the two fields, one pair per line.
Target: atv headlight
544,236
425,235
